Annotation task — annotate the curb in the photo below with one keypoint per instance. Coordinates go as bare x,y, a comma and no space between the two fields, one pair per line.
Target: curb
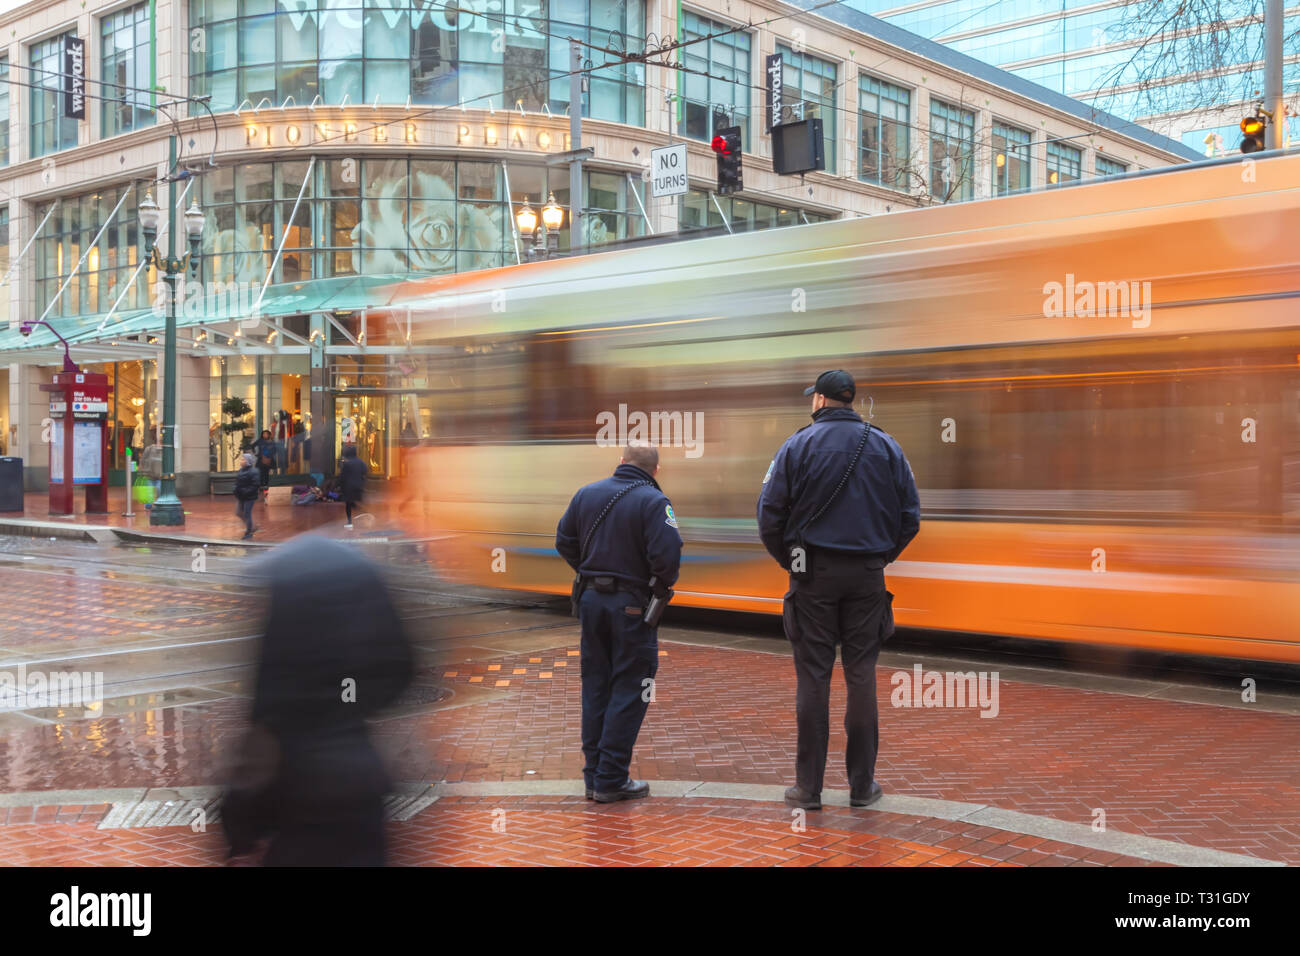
107,534
133,808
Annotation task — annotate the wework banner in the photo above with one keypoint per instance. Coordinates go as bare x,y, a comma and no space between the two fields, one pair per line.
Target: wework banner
74,78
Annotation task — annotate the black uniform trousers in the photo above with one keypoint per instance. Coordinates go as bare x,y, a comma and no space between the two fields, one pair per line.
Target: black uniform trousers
620,657
845,603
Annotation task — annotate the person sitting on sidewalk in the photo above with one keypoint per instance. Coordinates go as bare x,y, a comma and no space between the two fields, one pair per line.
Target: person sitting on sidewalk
246,492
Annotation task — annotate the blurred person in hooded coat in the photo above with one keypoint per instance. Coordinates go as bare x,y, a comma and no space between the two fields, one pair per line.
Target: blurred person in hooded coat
333,654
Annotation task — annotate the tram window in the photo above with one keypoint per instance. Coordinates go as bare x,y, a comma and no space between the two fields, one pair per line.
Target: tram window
1156,434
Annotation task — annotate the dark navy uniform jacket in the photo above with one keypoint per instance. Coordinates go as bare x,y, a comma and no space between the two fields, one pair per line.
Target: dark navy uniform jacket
877,512
637,540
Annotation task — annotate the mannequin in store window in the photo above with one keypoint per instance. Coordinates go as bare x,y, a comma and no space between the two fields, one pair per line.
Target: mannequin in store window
296,450
283,432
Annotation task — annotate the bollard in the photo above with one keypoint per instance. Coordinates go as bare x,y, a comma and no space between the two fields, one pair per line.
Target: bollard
130,489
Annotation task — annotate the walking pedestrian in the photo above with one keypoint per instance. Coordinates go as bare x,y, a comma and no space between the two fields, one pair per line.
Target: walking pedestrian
352,481
333,654
246,492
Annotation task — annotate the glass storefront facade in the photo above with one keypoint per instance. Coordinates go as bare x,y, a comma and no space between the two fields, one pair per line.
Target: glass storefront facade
285,409
417,51
357,217
109,263
389,216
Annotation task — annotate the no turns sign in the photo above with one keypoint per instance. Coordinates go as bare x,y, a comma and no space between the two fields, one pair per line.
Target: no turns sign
668,171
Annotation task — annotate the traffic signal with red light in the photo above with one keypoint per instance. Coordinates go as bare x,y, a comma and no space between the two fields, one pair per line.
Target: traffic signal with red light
726,143
1252,134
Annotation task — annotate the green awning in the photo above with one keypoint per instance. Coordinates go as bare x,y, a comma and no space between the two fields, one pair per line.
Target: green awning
226,304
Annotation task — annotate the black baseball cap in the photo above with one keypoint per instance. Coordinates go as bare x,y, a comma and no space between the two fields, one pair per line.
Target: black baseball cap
837,384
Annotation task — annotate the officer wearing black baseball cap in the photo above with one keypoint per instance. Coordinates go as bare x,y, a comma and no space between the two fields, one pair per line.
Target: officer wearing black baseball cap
837,384
838,504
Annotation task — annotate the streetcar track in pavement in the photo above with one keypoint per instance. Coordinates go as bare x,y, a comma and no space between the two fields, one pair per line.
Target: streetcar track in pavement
419,643
397,579
406,583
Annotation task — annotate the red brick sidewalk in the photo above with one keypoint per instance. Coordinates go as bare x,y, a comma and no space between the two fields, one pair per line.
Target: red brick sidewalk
569,831
1227,779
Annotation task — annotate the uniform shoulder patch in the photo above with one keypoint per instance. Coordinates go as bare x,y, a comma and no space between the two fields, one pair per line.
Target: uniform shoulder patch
671,520
770,468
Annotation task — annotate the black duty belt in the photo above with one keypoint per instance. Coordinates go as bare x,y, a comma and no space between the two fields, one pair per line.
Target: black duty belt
611,584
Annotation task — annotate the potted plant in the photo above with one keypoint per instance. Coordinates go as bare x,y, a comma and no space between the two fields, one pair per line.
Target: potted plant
237,410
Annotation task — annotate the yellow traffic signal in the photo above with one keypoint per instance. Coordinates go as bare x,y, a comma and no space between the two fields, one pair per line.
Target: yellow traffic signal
1252,134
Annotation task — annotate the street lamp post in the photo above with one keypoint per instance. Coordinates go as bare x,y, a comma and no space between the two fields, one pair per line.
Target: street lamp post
167,510
546,240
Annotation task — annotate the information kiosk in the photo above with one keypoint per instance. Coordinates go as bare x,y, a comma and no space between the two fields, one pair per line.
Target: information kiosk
78,440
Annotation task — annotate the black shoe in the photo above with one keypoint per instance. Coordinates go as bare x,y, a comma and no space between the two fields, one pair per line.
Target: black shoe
798,797
591,794
632,790
875,794
248,536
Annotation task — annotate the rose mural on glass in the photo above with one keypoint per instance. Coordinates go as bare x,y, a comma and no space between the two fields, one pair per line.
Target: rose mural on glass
434,221
403,222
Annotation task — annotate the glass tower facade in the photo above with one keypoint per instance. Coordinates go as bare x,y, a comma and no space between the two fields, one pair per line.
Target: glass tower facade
1091,51
392,52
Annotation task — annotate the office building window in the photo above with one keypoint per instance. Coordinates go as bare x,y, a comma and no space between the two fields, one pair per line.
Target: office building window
1108,167
884,111
952,152
124,56
51,131
718,93
1064,163
1010,159
4,111
808,85
696,210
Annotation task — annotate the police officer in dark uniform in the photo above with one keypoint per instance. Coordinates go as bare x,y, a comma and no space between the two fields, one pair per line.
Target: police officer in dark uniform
838,504
618,545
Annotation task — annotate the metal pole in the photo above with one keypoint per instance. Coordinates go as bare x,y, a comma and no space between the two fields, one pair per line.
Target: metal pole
718,207
576,235
640,205
1273,74
510,211
167,510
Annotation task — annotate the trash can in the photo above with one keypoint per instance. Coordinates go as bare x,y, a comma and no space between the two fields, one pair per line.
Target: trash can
11,484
